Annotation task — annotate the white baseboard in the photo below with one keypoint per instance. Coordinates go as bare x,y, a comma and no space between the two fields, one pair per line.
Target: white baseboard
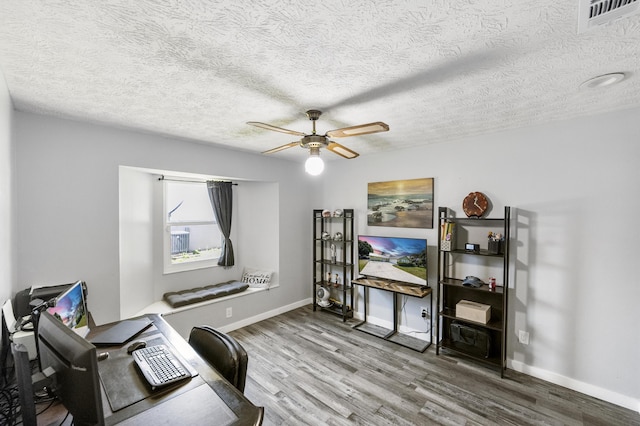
576,385
265,315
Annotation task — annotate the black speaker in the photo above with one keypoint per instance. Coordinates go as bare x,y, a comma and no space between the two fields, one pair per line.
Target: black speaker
25,384
21,303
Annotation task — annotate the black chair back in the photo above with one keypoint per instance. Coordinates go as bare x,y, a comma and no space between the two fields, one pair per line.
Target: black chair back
222,352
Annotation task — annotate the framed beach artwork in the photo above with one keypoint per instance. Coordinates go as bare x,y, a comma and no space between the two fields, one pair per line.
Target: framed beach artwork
401,203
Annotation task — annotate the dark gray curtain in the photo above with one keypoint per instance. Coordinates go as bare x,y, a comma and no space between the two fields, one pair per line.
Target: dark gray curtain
221,198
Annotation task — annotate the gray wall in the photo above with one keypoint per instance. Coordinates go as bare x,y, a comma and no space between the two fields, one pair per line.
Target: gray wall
68,184
7,195
254,233
574,186
572,183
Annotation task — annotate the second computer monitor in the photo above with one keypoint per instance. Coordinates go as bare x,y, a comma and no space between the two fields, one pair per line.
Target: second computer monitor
71,308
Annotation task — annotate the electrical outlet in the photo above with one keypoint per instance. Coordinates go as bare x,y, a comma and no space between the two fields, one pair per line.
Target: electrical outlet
229,312
523,336
424,312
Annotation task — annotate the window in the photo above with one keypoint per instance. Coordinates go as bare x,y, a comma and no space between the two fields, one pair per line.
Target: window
192,239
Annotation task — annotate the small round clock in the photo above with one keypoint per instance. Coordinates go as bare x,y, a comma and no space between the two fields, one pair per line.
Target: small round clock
475,204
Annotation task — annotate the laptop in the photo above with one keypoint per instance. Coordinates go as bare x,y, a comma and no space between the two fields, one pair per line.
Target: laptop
120,333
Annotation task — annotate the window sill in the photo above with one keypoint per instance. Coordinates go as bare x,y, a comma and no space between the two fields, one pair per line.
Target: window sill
190,266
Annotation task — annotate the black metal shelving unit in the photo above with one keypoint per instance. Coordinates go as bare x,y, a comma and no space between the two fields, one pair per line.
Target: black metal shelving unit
325,267
451,265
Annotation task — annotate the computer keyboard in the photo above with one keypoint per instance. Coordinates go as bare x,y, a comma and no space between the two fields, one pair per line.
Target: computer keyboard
159,366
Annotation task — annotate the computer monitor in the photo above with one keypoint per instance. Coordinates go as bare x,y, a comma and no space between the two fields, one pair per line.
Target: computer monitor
71,308
74,363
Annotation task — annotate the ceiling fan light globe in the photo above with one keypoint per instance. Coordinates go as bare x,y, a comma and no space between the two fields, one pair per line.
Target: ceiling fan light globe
314,165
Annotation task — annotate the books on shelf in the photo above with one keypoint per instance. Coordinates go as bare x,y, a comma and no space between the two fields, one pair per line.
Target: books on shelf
447,234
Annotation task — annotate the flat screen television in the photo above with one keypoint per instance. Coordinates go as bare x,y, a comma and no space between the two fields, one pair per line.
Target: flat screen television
73,360
71,308
393,258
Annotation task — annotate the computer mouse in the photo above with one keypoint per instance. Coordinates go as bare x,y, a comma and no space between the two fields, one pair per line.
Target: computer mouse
136,345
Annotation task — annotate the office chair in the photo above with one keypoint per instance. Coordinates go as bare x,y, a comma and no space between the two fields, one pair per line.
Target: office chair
222,352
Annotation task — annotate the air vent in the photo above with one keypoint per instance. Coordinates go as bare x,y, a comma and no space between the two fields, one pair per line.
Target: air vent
593,13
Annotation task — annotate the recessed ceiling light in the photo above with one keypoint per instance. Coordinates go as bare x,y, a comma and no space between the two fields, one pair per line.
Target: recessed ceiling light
603,80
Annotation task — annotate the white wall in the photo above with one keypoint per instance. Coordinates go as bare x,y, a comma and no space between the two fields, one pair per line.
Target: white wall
574,186
68,204
7,195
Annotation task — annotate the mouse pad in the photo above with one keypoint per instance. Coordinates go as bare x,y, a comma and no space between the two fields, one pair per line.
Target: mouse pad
123,383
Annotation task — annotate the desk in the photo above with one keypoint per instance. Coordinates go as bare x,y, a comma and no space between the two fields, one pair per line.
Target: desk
206,398
395,287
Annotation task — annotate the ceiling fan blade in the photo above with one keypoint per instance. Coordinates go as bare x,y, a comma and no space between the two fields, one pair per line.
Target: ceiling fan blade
280,148
341,150
274,128
361,129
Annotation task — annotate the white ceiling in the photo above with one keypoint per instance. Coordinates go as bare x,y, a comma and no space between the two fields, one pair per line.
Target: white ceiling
434,70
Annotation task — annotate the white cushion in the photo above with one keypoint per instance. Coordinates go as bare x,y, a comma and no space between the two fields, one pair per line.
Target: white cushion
256,278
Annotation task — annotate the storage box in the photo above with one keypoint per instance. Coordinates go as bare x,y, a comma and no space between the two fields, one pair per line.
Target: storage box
470,339
473,311
495,247
447,246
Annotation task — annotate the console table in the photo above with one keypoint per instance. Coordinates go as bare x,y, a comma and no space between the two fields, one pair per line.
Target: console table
395,287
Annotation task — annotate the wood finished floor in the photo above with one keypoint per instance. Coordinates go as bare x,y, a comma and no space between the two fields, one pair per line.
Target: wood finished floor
309,368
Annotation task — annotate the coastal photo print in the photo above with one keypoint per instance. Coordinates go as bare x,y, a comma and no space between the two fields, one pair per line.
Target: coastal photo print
401,203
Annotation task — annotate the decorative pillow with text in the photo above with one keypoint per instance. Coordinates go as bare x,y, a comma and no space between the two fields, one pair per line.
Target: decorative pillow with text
256,278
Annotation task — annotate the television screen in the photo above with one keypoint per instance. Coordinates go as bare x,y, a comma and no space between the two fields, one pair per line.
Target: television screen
393,258
71,309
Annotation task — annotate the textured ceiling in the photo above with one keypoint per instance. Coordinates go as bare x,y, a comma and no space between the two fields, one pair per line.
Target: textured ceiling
435,71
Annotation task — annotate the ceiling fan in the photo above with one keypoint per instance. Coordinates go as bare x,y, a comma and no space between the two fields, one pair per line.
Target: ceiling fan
314,142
